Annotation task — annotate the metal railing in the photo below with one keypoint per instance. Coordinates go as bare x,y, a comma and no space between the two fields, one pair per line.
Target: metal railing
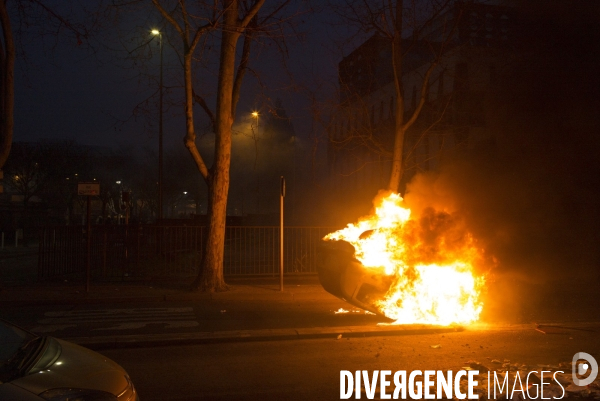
148,252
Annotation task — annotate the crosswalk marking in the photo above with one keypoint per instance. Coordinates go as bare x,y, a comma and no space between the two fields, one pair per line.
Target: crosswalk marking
117,319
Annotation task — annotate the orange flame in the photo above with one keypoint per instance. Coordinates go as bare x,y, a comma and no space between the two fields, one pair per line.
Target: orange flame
430,260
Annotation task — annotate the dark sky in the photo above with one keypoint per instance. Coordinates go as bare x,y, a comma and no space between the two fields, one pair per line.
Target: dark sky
66,90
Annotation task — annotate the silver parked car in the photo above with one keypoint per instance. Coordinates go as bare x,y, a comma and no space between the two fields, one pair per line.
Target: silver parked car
45,368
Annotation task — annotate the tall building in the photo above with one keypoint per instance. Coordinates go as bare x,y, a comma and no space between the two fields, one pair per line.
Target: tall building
468,44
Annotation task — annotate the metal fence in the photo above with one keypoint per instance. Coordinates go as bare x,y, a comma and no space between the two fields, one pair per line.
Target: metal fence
150,252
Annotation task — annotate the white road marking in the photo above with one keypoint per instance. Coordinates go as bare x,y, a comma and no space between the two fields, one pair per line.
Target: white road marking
138,325
51,328
118,319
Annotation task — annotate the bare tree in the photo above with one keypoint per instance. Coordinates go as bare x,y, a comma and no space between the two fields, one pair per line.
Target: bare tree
19,18
25,175
228,21
7,84
391,20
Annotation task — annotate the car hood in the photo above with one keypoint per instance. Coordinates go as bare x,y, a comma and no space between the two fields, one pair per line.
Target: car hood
77,367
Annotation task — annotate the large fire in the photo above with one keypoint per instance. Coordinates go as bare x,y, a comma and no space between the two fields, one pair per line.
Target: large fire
429,261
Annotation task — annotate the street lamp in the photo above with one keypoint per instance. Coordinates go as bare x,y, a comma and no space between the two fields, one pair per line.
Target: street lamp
156,32
256,115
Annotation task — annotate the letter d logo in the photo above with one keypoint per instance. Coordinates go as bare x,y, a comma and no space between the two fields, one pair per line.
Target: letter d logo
582,369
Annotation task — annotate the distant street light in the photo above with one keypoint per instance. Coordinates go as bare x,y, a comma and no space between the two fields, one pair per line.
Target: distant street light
156,32
256,115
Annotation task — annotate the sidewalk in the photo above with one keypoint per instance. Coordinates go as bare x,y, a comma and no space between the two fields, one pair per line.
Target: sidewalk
240,288
259,310
254,309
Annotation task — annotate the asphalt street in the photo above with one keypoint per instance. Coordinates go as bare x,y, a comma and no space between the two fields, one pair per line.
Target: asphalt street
310,369
87,320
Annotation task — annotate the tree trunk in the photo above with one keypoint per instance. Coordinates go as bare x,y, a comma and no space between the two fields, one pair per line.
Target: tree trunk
399,130
7,99
211,273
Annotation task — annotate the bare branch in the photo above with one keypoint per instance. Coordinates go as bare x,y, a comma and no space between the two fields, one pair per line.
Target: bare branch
170,19
424,92
242,67
190,144
274,12
428,129
251,14
186,20
62,20
200,100
7,89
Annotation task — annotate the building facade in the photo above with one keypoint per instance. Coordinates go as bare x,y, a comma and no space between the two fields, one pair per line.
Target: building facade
469,44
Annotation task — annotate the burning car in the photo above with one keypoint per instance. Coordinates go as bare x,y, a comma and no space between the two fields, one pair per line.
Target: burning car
408,269
342,275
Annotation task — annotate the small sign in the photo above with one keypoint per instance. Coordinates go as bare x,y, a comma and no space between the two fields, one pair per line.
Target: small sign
88,188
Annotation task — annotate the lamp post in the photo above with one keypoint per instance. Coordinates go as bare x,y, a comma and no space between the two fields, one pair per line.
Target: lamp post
156,32
120,201
256,115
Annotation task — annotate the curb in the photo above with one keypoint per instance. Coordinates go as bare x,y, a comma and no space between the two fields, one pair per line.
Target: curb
80,301
240,295
334,333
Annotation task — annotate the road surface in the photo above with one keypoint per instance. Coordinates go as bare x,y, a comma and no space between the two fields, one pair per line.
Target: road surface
310,369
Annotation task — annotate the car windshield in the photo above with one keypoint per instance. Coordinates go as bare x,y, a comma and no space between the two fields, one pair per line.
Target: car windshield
13,341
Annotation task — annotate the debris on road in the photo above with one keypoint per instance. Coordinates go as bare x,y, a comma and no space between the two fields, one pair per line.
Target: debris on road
344,311
562,386
475,365
556,329
436,346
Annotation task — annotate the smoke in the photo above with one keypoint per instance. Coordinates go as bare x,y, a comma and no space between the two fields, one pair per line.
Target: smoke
533,202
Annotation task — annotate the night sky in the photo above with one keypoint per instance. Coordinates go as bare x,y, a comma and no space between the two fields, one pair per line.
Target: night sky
89,92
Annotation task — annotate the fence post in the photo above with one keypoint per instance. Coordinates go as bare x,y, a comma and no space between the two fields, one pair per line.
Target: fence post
137,253
282,195
88,253
104,246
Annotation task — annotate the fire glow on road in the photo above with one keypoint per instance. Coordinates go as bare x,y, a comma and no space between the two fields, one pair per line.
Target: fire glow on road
430,259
